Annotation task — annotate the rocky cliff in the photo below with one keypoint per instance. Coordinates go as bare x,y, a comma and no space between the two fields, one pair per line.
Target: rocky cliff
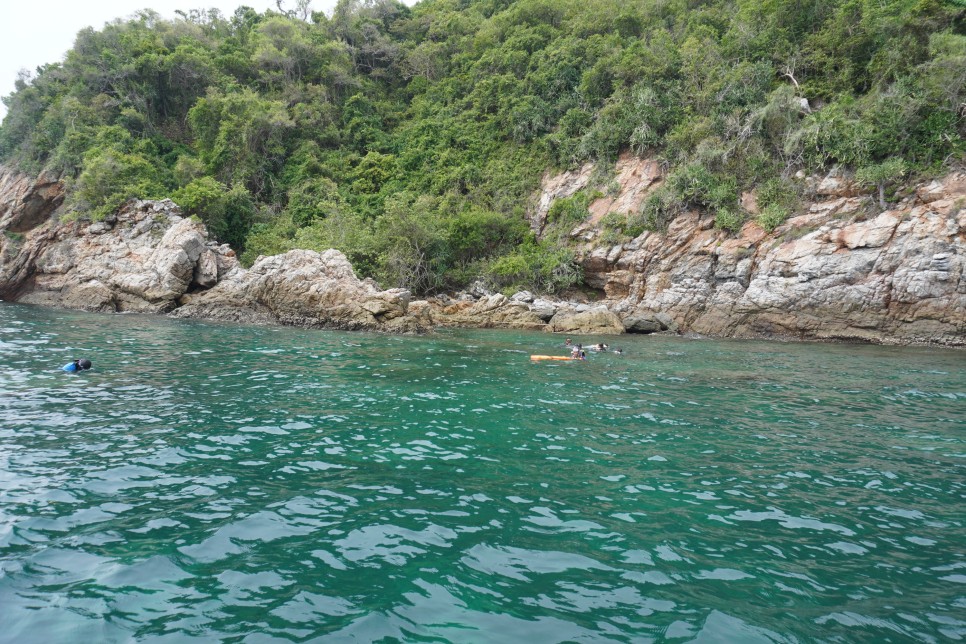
148,258
842,270
845,269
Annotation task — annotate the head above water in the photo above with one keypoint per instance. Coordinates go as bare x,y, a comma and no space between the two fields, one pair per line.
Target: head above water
84,363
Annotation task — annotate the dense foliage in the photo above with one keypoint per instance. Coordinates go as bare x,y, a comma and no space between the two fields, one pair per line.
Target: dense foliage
413,138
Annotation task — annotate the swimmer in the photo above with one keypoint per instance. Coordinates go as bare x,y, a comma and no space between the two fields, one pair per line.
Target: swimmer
77,365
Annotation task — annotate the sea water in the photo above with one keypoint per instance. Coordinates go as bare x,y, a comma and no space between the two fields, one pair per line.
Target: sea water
214,482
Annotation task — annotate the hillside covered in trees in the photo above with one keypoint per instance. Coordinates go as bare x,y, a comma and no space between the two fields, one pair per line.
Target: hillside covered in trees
412,138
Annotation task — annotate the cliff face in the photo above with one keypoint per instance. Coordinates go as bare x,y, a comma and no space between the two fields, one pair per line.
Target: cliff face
843,270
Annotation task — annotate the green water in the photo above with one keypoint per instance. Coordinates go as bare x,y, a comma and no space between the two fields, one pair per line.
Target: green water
210,482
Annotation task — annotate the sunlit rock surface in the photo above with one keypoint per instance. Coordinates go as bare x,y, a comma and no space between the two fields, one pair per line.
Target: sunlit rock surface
842,269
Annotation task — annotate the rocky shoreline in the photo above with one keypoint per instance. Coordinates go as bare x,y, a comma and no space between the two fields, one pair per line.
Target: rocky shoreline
839,272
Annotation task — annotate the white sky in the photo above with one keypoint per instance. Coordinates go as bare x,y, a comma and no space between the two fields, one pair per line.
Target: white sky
34,35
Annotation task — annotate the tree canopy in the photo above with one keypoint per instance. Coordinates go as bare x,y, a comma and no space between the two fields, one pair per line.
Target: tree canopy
412,138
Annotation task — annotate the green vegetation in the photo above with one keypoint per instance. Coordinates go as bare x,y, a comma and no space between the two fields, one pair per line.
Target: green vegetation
771,217
412,138
880,175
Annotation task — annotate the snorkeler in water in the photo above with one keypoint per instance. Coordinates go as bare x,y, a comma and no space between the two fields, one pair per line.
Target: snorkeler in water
77,365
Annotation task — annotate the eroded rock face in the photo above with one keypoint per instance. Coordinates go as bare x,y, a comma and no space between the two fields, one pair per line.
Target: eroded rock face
600,321
143,259
842,270
304,288
494,311
148,258
26,203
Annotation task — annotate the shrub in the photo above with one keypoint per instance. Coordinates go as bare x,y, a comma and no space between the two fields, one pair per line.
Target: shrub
476,234
228,214
881,175
271,237
187,169
659,209
729,219
614,228
540,267
313,199
572,210
109,178
778,192
610,132
412,247
204,197
696,186
771,217
347,232
651,117
239,215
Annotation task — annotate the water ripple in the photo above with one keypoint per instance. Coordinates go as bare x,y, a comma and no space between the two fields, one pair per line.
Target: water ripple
215,482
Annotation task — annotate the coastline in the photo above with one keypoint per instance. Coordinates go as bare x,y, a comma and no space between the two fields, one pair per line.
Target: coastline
838,273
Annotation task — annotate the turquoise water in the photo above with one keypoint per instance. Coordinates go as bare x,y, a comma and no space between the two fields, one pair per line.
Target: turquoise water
243,484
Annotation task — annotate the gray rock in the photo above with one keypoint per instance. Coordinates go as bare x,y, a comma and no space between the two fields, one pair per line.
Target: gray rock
543,309
304,288
593,322
495,311
206,270
479,289
643,323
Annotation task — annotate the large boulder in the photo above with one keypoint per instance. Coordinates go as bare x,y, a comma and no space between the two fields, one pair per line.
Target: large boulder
643,321
599,321
304,288
543,308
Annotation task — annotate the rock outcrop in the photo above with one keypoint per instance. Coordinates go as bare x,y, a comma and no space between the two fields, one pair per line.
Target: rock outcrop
842,270
304,288
25,203
594,322
141,260
492,311
148,258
